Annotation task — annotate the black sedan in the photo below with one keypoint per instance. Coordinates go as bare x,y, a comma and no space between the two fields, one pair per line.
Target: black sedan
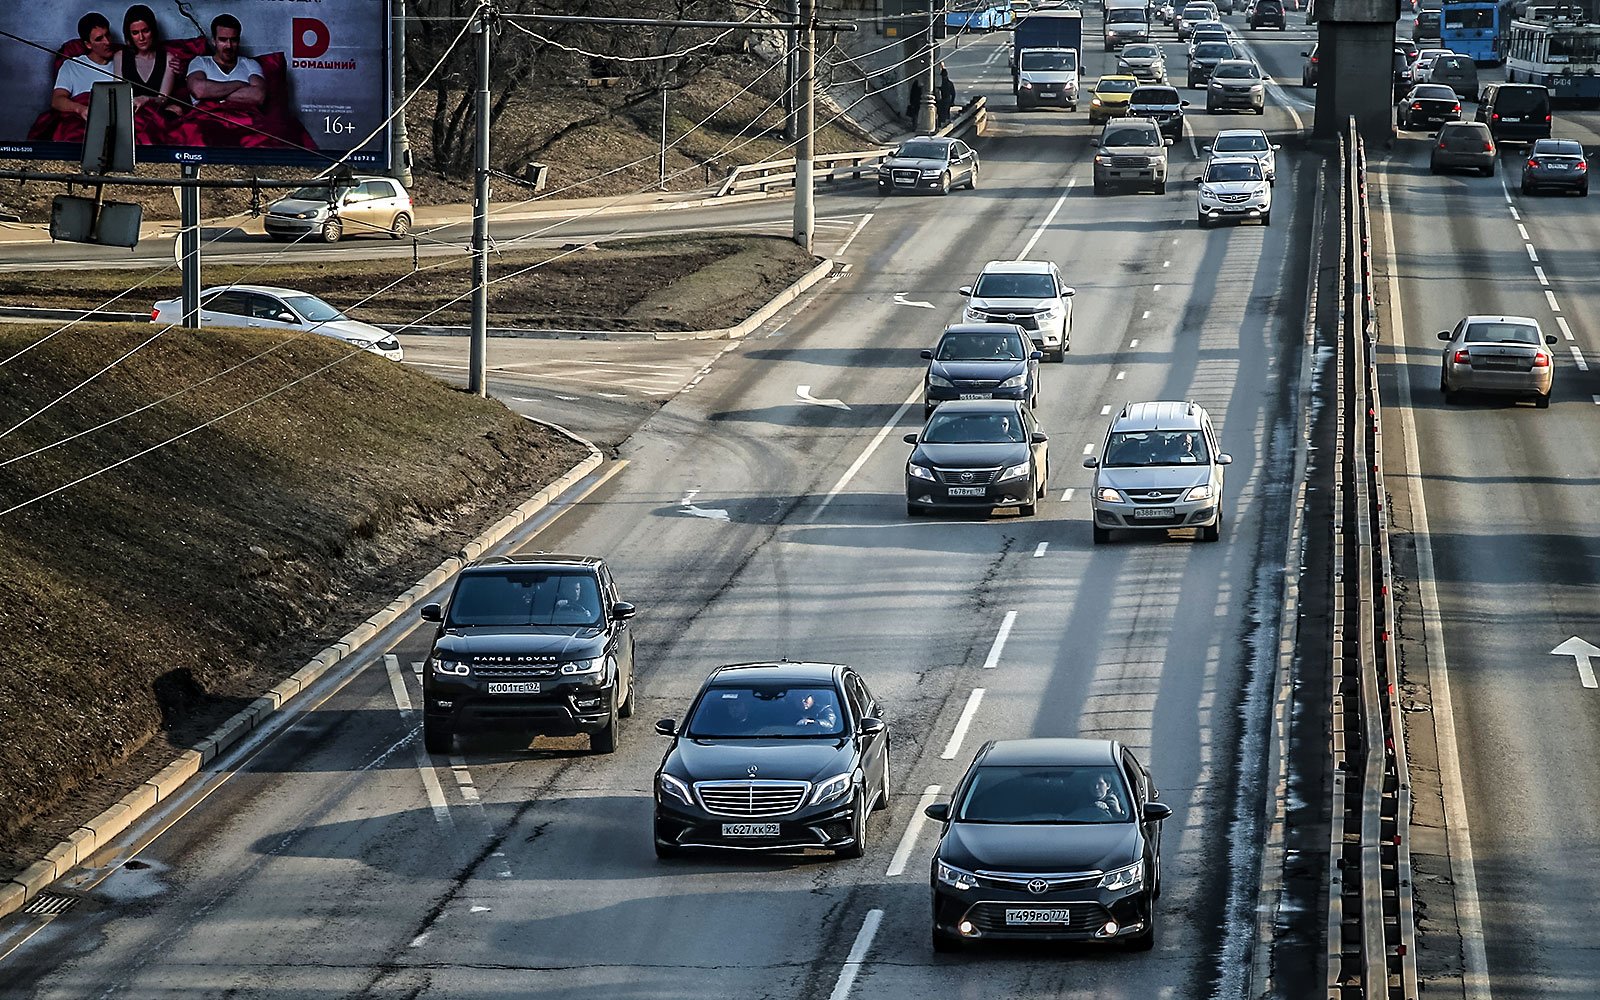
1556,164
929,163
1049,840
1429,105
772,757
981,361
977,453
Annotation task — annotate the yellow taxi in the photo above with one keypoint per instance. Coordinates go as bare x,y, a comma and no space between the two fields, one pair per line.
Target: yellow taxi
1110,98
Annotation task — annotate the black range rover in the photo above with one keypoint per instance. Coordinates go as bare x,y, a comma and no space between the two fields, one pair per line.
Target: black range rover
532,644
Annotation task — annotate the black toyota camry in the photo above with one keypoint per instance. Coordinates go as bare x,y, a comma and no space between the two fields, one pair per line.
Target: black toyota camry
1049,839
983,453
774,756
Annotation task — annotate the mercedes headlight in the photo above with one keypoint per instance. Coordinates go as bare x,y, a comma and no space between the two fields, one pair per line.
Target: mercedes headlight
1124,878
676,788
1015,382
959,878
1109,495
1013,472
918,472
940,381
576,668
835,787
454,668
1199,493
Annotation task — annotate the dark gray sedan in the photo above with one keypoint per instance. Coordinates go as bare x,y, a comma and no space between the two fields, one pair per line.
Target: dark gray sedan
1556,165
981,361
1464,146
929,163
1500,355
978,454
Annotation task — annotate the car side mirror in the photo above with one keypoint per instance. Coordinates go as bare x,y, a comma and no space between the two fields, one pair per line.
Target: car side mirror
667,727
1276,147
939,811
1305,53
1199,180
286,317
1035,355
965,290
871,727
432,613
1549,339
1040,437
910,439
622,611
1090,462
1183,104
1205,149
927,355
1068,293
1154,812
1224,459
1094,142
1444,334
1166,140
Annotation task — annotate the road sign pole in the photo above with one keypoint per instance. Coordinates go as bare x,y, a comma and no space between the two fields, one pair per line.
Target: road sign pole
477,360
189,243
805,214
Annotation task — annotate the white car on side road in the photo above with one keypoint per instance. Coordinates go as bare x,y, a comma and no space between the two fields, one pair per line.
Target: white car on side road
266,308
1233,187
1028,293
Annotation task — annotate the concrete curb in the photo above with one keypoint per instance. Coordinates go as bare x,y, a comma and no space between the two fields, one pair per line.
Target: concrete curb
744,329
83,842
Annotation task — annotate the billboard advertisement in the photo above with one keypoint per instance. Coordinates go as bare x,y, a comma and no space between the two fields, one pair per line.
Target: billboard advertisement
286,82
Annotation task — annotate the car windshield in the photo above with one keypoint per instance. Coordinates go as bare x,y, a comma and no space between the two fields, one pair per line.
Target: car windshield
313,309
1043,793
1502,333
946,427
1124,14
1153,96
1139,52
764,711
1015,286
1137,449
1557,147
1050,62
1237,72
1241,170
526,597
1433,92
1213,50
317,193
1131,137
980,347
1116,86
922,151
1245,143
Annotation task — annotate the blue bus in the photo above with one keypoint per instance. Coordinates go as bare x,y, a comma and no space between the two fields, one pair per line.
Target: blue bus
1474,28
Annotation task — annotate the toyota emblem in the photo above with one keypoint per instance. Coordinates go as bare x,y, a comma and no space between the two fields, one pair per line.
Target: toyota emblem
1011,316
966,477
1038,886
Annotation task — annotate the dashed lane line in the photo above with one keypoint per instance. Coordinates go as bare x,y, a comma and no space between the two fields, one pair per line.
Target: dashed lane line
999,644
908,840
962,724
858,955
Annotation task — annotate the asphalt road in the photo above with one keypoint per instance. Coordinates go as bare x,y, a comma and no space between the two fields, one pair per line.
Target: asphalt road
1509,506
748,523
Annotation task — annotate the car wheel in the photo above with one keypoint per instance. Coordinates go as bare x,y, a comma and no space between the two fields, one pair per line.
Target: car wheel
1266,217
972,182
1146,940
858,833
1161,187
883,189
1433,168
1060,357
1031,508
1261,110
944,182
1212,532
945,943
1489,170
1527,188
1201,221
1583,192
882,801
1542,402
1101,535
332,230
625,711
1099,186
400,226
605,741
436,739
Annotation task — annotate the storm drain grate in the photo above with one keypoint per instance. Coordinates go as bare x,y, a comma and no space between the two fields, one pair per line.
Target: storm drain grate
50,904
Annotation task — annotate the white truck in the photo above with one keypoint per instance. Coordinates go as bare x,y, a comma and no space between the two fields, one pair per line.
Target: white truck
1044,59
1126,21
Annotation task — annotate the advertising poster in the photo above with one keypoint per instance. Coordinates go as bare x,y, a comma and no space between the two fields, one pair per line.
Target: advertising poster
289,82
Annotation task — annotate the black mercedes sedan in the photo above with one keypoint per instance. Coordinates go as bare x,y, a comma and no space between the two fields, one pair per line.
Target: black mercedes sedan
978,453
1049,840
774,756
1428,105
981,361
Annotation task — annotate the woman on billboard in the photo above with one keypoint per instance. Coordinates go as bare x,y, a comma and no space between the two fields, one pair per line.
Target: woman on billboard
145,60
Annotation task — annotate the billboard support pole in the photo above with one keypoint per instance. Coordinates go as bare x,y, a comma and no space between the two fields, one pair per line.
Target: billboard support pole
805,212
477,361
399,138
189,212
790,55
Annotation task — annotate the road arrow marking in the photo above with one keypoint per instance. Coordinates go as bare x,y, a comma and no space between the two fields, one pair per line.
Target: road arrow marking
709,513
1580,651
804,392
901,300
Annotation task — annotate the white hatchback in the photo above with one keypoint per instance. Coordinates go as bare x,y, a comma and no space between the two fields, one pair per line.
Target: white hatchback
267,308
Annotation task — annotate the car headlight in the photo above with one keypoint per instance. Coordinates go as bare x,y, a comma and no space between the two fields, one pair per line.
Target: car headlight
593,665
1124,878
973,314
1057,310
1095,103
454,668
1102,159
1216,84
940,381
1109,495
1206,192
835,787
884,168
1256,88
1015,382
1013,472
1199,493
1025,85
934,172
676,788
918,472
959,878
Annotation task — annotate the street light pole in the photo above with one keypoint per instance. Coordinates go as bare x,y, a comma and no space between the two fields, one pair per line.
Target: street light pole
928,114
805,215
790,55
399,138
477,359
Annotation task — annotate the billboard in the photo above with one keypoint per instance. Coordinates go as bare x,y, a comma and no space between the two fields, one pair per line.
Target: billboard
285,82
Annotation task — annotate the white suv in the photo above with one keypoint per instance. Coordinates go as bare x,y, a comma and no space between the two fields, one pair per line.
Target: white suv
1029,293
1160,468
1233,187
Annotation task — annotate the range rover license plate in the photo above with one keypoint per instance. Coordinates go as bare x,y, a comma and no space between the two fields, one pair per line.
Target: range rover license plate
1152,514
514,687
1037,916
967,491
749,829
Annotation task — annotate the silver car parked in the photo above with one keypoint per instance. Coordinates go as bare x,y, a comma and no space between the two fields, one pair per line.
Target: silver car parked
1503,355
1159,468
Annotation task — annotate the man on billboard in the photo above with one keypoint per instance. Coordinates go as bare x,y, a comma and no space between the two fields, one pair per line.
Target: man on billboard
227,76
77,76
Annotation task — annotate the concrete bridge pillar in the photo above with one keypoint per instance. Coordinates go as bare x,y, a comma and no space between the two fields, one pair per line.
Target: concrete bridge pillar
1355,58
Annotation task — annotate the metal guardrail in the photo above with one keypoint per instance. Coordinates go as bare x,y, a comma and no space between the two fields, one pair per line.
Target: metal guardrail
1371,916
834,166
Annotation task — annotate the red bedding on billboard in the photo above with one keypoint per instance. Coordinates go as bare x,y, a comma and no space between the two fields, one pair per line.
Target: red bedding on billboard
295,82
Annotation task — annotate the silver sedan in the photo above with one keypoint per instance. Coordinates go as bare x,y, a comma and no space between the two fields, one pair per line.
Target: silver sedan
1502,355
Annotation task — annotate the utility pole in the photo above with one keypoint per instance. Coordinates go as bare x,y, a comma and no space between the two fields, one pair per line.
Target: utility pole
661,164
805,213
477,361
791,54
399,139
928,114
189,245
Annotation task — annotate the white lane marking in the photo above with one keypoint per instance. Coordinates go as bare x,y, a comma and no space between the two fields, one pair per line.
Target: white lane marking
1475,979
1088,448
901,300
1551,298
1566,330
1066,495
1531,255
853,234
858,954
1582,652
908,840
1156,289
1037,233
1596,400
420,939
1194,153
993,659
1514,215
861,459
416,667
1538,272
1577,359
804,394
397,683
1166,263
954,746
709,513
430,784
1121,376
1105,411
1522,231
1133,343
1146,314
1039,551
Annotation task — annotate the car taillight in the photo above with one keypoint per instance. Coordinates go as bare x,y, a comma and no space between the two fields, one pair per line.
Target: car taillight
155,314
1581,166
1533,164
1488,147
1314,60
1546,117
1443,146
1463,358
1457,108
1496,116
1416,106
1541,360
